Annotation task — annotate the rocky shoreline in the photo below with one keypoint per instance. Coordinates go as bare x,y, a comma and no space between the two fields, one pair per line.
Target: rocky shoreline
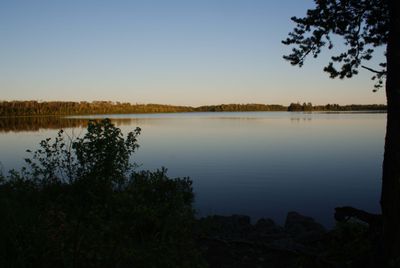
233,241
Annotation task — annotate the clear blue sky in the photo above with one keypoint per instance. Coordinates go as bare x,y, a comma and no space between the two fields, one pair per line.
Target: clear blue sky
186,52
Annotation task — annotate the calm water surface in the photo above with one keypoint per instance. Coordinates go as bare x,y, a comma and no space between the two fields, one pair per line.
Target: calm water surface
262,164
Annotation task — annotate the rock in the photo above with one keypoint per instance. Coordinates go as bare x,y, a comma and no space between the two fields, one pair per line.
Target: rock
267,226
234,222
262,224
265,230
303,229
287,244
232,241
226,227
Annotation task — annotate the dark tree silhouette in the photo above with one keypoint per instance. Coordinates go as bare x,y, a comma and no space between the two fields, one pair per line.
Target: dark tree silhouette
364,25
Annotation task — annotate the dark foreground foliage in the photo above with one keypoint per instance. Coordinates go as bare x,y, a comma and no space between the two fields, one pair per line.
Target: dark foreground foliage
79,203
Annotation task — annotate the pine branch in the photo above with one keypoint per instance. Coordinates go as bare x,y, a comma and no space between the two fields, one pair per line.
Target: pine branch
373,70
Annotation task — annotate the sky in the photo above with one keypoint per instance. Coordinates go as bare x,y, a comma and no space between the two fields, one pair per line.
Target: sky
180,52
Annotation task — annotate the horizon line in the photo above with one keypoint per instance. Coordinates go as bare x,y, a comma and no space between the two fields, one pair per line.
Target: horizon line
190,106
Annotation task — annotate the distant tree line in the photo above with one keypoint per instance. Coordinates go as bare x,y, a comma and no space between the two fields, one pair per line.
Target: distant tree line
36,108
308,107
297,107
240,108
29,108
351,107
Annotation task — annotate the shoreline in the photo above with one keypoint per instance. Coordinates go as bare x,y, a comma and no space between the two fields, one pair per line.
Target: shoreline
80,116
233,241
60,108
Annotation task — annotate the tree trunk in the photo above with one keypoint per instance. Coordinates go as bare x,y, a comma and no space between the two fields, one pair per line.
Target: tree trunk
390,198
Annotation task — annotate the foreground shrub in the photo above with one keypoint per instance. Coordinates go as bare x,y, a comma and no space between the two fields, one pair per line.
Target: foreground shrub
79,203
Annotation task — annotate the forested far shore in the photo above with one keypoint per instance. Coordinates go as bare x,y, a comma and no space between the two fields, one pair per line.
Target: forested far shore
36,108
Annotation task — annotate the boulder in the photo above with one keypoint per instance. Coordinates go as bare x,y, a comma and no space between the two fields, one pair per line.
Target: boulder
226,227
302,228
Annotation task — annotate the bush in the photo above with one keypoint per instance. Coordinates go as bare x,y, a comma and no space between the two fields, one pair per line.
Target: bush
79,203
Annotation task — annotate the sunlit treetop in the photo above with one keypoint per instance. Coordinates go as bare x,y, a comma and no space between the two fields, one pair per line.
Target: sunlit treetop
363,24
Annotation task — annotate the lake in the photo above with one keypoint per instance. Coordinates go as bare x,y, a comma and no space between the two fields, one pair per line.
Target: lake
262,164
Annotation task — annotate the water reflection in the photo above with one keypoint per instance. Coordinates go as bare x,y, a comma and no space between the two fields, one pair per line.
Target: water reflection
35,124
300,119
